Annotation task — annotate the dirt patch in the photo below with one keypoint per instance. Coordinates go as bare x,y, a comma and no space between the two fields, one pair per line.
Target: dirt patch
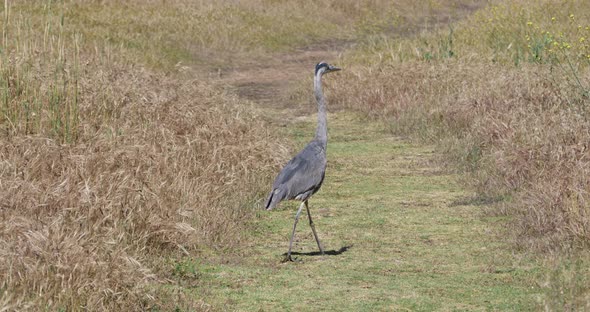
269,81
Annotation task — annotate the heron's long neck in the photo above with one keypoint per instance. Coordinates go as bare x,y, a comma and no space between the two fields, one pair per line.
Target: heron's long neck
322,130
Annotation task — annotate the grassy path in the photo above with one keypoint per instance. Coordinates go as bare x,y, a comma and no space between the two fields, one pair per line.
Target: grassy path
400,231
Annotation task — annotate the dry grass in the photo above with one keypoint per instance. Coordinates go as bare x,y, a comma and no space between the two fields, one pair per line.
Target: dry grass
86,224
222,34
522,131
39,75
113,171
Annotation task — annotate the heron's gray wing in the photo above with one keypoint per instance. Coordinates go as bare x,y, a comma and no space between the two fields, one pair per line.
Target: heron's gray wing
304,172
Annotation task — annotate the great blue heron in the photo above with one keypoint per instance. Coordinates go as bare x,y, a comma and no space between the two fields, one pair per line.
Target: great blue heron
303,175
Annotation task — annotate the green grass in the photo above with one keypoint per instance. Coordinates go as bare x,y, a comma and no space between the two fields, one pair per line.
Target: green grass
410,242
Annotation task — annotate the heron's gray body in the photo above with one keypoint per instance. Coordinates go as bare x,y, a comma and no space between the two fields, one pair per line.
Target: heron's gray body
303,175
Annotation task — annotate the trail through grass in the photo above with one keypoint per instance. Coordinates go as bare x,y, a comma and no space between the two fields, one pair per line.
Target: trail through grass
130,157
400,233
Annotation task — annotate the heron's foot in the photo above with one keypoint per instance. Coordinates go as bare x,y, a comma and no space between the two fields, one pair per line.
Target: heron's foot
288,258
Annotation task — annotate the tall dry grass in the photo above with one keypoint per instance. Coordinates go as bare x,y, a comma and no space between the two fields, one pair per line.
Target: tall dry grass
89,224
111,170
39,77
505,94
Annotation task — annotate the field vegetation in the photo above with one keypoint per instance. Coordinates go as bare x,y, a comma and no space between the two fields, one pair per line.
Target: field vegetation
130,181
118,158
113,165
505,93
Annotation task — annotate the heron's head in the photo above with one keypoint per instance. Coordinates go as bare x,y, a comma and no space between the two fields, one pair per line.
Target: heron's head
324,68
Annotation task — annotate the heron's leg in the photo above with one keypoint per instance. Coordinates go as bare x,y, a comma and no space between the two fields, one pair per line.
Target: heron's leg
293,234
313,228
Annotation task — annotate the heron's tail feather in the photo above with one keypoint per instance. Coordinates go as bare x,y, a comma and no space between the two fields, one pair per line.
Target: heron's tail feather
269,200
274,198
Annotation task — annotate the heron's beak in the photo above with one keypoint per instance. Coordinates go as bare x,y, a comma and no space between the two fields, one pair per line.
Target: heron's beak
334,68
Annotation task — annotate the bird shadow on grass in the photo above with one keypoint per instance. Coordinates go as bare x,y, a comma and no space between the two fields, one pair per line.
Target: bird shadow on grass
327,252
